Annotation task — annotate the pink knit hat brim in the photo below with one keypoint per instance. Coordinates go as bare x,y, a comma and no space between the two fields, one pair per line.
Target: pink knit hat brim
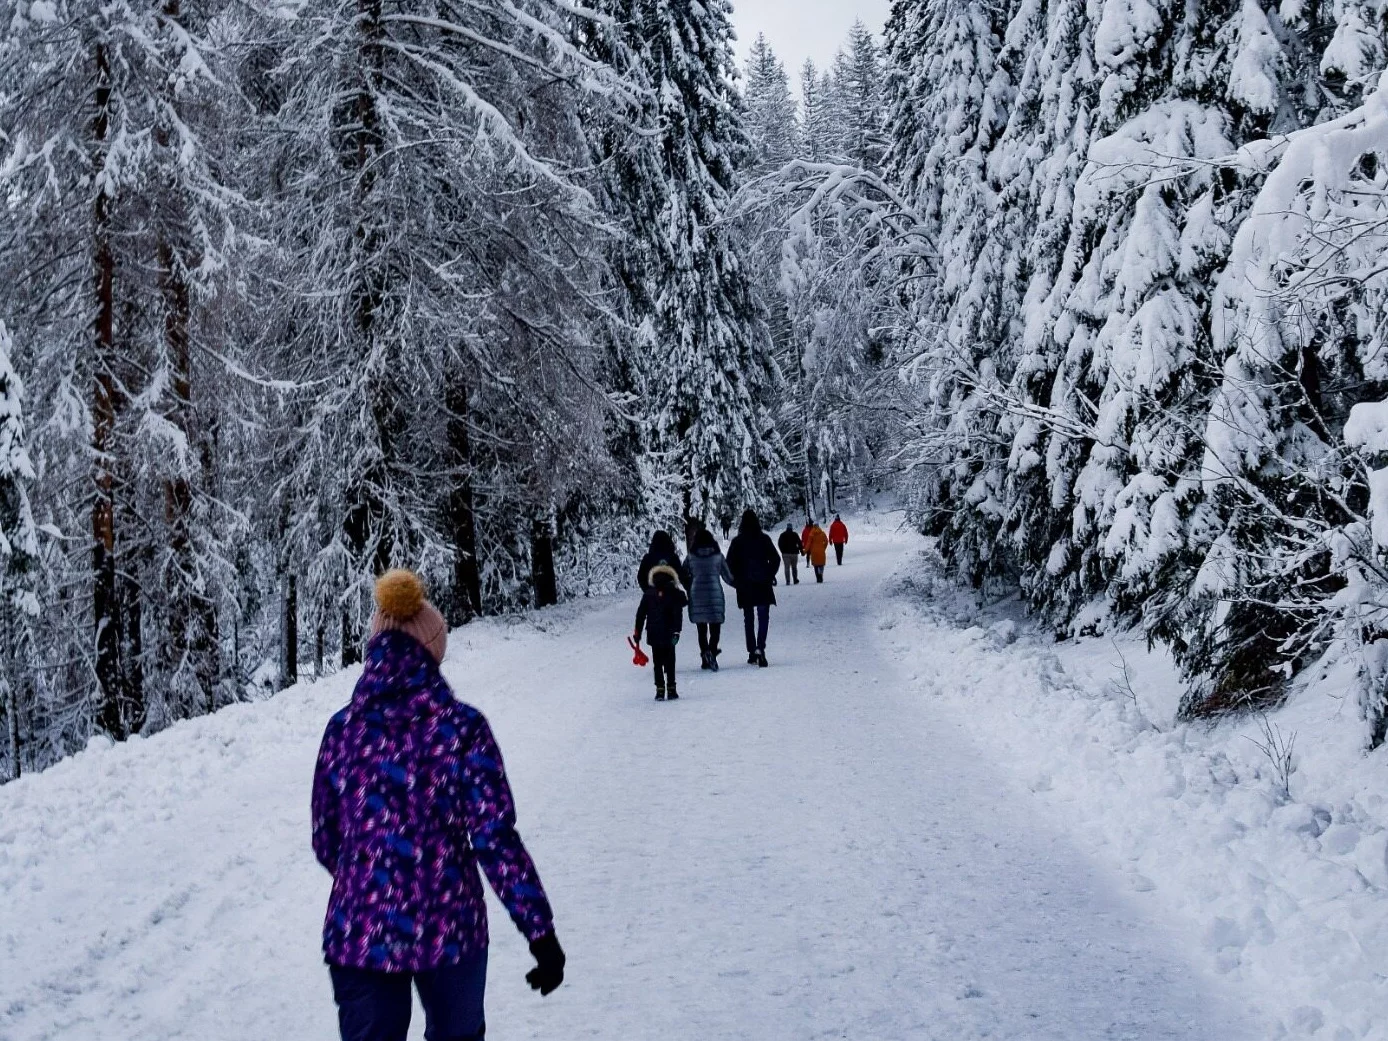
428,627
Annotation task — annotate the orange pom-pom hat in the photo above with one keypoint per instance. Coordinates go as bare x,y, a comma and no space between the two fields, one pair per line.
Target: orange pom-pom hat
401,605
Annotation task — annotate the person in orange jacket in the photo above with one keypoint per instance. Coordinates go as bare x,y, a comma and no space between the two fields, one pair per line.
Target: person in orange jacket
817,549
805,537
838,537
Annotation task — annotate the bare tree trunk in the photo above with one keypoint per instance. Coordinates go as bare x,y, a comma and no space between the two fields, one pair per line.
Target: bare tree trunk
111,715
11,656
192,632
289,674
466,602
178,493
542,571
366,515
351,642
131,647
12,708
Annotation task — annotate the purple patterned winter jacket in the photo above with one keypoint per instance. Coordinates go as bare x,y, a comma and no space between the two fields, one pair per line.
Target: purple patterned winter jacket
409,797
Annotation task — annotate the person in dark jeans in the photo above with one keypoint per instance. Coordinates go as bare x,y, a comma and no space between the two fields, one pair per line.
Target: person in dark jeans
376,1006
754,562
406,913
661,614
838,537
789,545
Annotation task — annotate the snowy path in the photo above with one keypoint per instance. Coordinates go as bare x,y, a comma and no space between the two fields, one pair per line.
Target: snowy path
804,852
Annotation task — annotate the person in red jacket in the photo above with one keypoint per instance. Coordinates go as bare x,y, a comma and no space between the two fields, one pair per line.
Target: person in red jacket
805,537
838,537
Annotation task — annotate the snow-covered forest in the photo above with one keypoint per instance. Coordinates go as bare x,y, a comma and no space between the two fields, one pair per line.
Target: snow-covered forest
294,292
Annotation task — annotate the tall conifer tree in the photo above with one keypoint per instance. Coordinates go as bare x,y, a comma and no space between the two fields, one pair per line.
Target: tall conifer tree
705,365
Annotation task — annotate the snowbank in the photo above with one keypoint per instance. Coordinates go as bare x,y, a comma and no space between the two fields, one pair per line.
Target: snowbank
163,888
1278,876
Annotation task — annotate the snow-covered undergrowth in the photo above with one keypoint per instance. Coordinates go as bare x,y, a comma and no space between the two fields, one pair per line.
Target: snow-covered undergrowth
1263,838
162,888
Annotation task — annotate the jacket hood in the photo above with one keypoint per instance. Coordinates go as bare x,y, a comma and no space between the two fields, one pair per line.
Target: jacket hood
666,569
400,677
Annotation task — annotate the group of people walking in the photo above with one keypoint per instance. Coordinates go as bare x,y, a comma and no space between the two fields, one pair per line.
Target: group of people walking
411,805
813,544
670,585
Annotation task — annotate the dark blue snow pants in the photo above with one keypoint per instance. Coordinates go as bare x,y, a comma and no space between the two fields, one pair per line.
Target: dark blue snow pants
755,622
375,1006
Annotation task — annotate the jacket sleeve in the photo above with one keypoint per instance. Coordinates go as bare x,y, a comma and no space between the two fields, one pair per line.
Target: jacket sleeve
640,619
727,572
773,556
325,810
490,813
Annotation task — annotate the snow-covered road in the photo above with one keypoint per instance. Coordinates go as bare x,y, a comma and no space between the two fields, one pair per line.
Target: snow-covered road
809,851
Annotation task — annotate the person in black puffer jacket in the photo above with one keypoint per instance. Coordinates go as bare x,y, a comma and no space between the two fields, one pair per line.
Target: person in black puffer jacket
661,614
662,551
754,562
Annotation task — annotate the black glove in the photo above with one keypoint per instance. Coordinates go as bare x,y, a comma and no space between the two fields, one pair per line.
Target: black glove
548,972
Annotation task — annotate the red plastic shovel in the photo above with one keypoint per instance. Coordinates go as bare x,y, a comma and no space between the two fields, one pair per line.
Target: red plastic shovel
638,657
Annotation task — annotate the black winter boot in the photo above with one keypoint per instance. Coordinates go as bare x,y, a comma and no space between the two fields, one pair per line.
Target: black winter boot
751,657
660,692
761,660
674,695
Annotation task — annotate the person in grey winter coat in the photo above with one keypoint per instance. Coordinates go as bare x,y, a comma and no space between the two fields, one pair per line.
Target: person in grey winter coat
705,571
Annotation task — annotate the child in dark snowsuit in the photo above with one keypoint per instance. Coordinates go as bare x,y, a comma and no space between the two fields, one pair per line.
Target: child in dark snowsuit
661,614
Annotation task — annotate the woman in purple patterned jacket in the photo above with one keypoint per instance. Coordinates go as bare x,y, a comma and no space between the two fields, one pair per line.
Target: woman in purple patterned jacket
409,799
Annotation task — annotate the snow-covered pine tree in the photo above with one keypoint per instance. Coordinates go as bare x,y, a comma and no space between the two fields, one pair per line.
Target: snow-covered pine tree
1038,160
819,132
773,140
59,68
1107,211
1135,324
446,256
952,80
858,100
705,368
187,210
123,222
771,120
1295,525
811,228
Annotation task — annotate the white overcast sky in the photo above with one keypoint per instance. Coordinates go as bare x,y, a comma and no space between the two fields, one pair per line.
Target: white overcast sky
800,29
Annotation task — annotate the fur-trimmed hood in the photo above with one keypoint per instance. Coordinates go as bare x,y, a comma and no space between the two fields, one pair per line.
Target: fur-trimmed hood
666,569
